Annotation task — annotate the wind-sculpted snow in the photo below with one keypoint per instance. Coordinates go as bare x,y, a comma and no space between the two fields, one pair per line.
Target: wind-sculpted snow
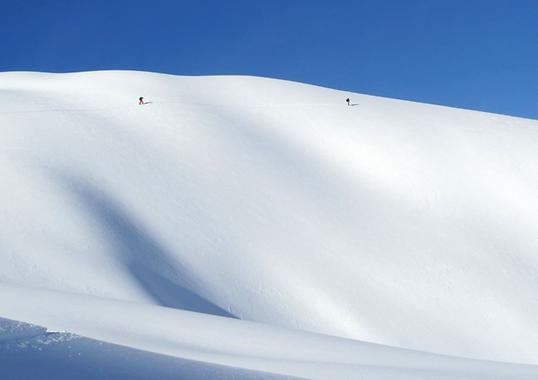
232,343
67,356
261,200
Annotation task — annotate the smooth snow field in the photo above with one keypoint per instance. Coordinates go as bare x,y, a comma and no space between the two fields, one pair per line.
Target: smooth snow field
249,228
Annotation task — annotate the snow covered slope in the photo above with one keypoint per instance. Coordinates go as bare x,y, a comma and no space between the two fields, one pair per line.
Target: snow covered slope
389,222
31,352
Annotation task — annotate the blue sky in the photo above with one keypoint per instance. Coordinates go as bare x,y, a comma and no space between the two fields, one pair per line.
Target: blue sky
474,54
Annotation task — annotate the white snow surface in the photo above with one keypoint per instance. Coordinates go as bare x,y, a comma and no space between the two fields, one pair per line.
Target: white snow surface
265,225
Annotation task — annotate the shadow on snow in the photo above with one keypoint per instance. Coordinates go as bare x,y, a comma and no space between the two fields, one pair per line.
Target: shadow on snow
156,270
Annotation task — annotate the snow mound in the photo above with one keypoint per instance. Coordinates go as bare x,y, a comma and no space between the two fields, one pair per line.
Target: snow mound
253,199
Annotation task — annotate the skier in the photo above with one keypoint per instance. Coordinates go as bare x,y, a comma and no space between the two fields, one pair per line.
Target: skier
348,102
141,100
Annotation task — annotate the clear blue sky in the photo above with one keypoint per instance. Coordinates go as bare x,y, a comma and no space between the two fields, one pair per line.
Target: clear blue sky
478,54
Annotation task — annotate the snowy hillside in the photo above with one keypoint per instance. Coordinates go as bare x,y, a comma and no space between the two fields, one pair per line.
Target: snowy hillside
307,236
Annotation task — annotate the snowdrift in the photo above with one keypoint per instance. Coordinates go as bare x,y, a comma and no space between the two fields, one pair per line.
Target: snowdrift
256,224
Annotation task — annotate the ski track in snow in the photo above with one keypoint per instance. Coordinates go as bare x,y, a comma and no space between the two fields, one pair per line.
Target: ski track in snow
240,224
